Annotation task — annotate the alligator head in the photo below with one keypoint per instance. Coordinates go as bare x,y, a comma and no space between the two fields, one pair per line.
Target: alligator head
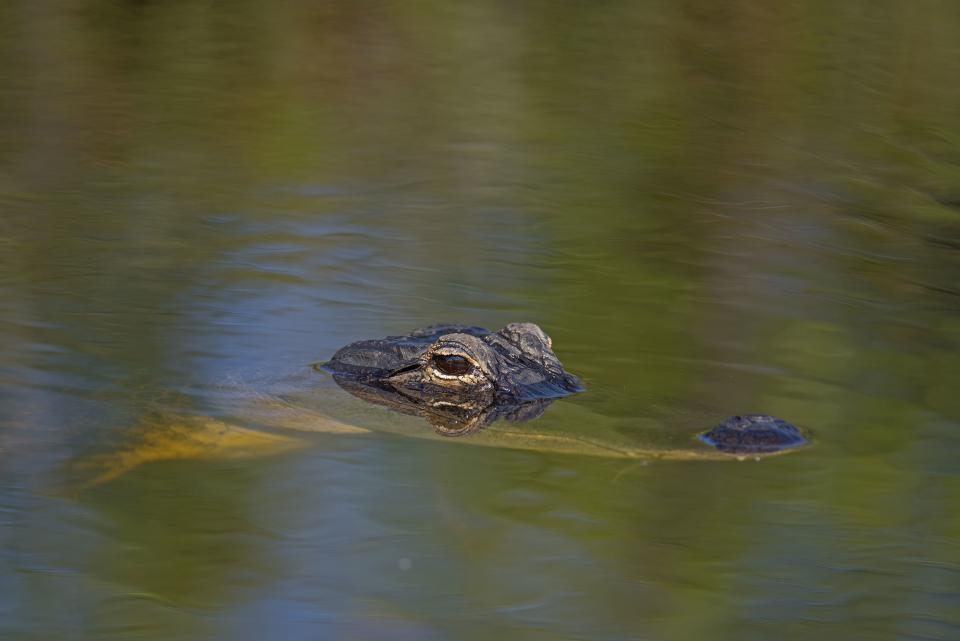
460,378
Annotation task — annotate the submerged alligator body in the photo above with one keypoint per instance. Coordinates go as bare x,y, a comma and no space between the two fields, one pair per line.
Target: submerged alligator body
462,380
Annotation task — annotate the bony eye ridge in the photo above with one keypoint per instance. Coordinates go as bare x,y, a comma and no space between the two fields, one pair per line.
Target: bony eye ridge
452,364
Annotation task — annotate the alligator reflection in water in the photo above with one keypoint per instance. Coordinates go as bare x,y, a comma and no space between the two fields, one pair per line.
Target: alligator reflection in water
447,418
460,378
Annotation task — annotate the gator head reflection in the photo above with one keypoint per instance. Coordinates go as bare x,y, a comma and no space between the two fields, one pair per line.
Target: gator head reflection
460,378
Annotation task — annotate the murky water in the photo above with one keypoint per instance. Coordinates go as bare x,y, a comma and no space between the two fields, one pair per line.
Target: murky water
713,208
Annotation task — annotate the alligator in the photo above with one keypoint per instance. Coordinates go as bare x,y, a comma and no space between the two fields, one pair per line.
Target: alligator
462,380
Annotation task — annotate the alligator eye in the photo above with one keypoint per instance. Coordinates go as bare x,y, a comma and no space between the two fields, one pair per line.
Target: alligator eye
452,365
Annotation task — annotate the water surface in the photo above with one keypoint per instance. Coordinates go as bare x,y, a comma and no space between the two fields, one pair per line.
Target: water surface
711,209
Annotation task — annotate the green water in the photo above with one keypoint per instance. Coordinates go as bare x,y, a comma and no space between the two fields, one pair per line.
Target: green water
713,208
